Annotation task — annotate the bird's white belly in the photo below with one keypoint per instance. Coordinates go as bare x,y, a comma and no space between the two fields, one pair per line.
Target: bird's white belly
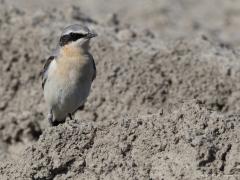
66,97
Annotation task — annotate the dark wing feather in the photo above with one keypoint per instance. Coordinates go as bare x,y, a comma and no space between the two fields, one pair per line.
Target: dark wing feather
95,70
45,68
94,67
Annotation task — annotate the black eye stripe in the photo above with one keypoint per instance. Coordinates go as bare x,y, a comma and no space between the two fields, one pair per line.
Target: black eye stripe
65,39
76,36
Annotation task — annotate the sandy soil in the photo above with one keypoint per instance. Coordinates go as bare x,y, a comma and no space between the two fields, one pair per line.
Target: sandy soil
165,103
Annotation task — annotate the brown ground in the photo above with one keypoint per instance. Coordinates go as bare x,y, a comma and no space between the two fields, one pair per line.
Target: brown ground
165,104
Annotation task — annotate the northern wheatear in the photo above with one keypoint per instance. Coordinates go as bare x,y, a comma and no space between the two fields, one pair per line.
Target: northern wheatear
68,74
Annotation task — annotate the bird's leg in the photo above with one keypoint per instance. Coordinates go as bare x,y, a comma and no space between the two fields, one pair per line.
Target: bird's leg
50,118
52,121
70,116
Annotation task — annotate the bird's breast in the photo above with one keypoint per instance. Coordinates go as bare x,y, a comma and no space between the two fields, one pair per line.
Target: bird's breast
73,65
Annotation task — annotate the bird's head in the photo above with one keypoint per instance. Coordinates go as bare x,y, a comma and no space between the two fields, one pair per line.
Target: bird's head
78,35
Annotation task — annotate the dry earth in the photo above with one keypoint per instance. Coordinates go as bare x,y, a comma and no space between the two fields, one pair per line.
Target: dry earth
165,104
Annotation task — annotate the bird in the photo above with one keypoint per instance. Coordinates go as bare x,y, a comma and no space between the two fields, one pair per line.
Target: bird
68,73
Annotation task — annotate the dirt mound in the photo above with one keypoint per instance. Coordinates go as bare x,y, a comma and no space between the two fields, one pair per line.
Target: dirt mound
140,119
186,143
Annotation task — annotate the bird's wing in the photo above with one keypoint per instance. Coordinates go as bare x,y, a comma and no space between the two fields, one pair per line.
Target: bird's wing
94,67
44,72
95,70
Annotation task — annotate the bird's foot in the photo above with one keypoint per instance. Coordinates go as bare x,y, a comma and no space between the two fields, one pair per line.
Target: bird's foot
54,122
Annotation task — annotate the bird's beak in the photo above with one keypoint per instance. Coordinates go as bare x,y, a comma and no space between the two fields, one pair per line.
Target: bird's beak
91,35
